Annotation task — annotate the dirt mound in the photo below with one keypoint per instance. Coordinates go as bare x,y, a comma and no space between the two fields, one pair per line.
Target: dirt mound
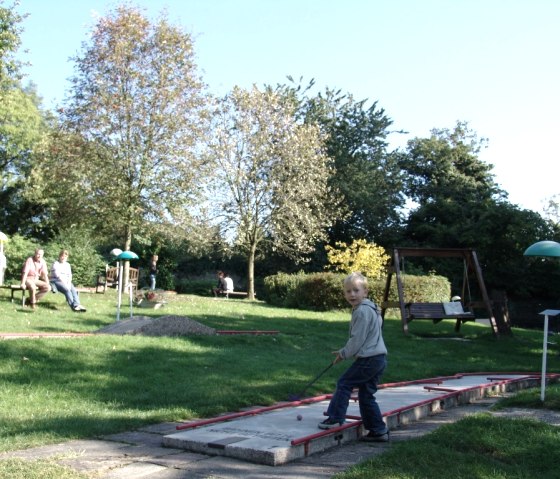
163,326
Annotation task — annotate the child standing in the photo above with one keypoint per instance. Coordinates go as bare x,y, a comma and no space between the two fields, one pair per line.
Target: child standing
368,349
153,271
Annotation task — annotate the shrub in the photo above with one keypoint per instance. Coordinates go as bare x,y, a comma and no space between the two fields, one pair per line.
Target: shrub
86,262
323,291
200,287
17,250
279,289
320,292
367,258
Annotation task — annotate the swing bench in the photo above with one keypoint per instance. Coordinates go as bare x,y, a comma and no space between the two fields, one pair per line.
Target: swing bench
438,311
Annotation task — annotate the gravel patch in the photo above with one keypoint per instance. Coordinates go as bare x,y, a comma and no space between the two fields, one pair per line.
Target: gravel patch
162,326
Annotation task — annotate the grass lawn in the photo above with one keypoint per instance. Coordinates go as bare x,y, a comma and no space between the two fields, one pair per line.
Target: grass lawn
54,390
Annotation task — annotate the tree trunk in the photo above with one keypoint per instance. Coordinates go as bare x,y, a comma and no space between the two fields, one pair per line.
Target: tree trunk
251,272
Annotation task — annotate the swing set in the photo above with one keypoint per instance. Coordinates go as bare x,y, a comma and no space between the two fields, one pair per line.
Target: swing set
462,311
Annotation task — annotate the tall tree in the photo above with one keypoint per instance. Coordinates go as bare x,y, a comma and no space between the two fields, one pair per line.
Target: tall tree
138,109
10,41
446,165
22,127
459,205
368,176
271,177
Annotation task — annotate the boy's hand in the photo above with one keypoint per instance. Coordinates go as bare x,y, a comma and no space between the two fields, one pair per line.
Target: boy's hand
338,357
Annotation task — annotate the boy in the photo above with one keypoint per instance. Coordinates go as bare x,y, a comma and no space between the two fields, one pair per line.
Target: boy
366,345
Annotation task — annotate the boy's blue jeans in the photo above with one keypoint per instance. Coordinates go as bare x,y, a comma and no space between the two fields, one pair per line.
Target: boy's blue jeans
364,374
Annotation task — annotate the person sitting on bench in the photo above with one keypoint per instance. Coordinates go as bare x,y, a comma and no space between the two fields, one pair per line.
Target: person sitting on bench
35,275
225,284
61,278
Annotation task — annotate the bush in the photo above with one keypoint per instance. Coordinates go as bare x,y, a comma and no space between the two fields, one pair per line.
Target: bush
323,291
320,292
17,250
200,287
85,261
279,289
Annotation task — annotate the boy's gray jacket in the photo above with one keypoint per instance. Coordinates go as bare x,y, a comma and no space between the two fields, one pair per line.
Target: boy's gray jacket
366,338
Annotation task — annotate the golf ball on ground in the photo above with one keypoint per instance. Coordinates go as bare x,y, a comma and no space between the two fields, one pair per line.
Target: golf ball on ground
299,417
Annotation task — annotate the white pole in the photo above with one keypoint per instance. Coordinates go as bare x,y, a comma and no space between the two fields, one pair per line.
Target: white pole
544,347
119,291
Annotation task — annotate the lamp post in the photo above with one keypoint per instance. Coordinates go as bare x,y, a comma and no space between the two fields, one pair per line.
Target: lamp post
125,256
545,249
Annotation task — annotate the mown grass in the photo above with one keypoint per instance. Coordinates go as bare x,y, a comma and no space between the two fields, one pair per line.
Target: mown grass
55,390
479,447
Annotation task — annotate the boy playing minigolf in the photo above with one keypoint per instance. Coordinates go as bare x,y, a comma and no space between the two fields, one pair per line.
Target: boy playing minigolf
368,349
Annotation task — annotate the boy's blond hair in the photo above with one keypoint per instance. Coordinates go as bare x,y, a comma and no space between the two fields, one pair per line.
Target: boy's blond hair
356,278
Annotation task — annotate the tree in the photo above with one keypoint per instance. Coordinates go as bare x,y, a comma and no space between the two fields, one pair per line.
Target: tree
459,205
446,167
367,175
10,41
22,128
271,177
132,124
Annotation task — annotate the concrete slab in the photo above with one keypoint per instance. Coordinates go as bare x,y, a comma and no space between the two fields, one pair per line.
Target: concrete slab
274,436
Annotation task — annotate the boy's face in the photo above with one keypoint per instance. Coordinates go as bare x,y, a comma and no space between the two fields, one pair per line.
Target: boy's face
354,293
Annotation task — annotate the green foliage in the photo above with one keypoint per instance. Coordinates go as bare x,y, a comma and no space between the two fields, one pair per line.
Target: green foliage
323,291
271,177
360,256
279,288
10,41
425,289
319,292
86,262
479,446
131,128
366,175
200,287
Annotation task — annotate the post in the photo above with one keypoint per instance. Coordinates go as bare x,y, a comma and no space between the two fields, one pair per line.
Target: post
546,313
119,290
545,348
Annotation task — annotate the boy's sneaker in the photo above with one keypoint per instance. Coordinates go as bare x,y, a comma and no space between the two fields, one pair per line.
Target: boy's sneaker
371,437
329,424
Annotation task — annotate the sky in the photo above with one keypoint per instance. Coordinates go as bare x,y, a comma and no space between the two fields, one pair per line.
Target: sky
427,63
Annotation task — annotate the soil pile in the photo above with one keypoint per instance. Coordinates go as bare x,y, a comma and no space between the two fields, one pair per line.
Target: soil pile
162,326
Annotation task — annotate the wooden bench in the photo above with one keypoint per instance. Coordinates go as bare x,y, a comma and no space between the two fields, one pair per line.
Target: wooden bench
436,312
110,278
14,288
228,294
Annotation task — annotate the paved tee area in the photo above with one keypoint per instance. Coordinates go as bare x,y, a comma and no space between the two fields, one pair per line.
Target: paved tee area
141,454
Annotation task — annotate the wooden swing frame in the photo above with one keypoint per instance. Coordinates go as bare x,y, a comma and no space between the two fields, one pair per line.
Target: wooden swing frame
436,311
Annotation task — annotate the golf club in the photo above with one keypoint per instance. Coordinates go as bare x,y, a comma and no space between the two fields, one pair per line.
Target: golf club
297,397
